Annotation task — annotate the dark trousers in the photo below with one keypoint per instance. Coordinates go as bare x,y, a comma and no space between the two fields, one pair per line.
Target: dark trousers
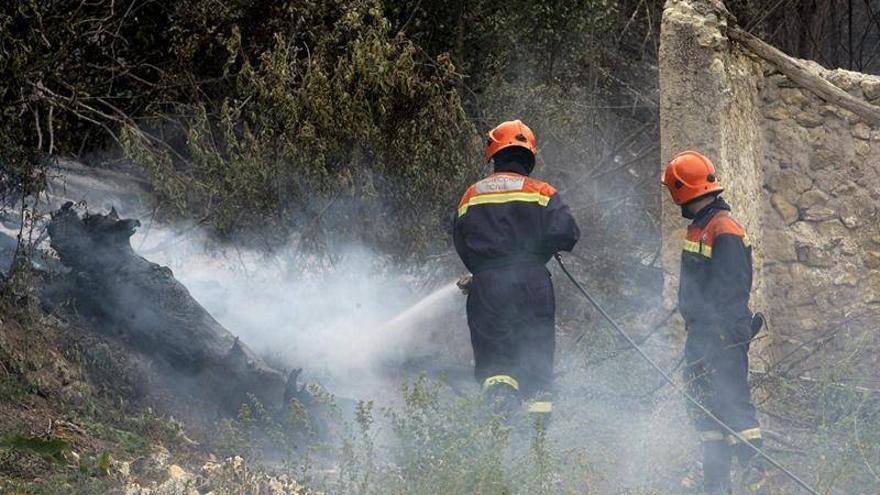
717,375
511,315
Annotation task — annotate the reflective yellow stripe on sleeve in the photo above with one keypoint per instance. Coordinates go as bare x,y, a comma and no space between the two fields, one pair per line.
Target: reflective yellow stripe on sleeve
698,248
750,434
501,198
499,380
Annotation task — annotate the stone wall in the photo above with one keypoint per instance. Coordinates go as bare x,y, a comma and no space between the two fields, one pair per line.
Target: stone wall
820,223
803,176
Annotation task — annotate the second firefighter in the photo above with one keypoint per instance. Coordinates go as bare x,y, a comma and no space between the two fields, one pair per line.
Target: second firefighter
713,297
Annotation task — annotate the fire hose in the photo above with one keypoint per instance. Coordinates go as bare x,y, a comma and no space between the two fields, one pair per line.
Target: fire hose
801,483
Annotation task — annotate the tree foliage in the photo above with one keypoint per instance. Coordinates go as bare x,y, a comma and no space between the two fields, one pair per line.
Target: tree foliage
301,116
352,120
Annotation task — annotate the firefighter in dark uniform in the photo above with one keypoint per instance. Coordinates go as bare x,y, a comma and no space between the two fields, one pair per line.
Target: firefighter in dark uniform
507,227
715,283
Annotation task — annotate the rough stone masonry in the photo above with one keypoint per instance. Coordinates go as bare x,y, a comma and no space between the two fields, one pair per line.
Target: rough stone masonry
803,175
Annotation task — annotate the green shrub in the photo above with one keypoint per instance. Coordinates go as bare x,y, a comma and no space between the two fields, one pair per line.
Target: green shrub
49,448
249,116
437,441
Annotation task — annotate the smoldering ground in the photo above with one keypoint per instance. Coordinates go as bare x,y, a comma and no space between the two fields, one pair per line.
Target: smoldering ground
341,316
352,324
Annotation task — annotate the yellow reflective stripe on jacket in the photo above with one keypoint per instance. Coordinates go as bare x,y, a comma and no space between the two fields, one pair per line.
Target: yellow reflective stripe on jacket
499,380
750,434
501,198
698,248
539,407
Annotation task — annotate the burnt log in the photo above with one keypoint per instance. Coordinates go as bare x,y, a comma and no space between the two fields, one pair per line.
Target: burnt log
143,304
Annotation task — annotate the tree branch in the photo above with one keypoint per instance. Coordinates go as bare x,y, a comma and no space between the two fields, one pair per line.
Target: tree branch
797,72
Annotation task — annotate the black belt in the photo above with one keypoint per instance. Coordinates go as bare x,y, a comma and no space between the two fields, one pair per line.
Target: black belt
484,264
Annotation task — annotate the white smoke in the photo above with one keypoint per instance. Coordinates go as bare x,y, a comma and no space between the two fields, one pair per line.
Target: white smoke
343,319
344,322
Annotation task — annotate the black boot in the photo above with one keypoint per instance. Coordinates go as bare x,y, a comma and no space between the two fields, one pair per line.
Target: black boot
755,467
502,399
716,467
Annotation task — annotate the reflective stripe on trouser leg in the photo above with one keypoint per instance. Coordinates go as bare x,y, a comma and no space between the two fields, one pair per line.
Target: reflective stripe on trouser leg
539,407
755,476
502,393
745,453
495,380
711,436
749,435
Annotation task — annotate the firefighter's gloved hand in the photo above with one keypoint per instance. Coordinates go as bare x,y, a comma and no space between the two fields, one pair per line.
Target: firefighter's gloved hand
464,283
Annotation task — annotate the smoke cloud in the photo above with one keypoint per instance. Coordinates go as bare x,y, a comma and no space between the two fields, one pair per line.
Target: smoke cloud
351,324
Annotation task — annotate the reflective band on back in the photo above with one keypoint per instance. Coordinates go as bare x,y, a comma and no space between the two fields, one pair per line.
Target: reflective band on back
501,198
698,248
539,407
750,434
500,380
711,436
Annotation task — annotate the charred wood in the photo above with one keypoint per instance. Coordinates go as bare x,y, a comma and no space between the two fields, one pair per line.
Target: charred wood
144,305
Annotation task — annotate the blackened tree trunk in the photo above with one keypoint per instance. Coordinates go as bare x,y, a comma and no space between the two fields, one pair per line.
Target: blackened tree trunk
152,312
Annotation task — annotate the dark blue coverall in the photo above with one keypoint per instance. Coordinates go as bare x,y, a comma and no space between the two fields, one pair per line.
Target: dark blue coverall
507,227
715,285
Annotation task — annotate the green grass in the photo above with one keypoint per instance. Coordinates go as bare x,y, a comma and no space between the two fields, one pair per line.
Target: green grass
441,442
48,448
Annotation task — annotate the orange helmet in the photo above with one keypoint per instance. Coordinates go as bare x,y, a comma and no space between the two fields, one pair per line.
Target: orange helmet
507,134
690,175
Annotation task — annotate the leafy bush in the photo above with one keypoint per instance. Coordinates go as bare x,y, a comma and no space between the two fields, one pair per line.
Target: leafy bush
255,116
